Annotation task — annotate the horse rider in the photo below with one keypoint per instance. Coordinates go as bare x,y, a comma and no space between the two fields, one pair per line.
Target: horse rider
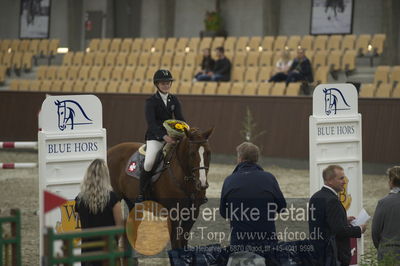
159,107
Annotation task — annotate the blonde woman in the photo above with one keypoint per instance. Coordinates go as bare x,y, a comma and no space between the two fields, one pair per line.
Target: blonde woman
282,67
385,225
97,205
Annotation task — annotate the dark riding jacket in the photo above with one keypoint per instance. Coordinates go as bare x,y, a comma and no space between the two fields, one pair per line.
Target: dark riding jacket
156,113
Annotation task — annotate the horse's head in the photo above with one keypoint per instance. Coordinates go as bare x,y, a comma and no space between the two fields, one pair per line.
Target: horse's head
195,156
61,110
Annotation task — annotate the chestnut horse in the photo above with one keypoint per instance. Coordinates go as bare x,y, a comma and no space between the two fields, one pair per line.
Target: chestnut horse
183,181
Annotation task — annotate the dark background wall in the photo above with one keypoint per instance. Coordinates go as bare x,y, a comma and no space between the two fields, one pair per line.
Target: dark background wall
285,120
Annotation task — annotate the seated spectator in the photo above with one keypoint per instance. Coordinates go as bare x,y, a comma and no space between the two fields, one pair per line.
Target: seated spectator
207,64
222,68
97,205
282,67
385,225
301,69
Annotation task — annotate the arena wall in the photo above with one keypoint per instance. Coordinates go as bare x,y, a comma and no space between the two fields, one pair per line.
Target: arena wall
284,120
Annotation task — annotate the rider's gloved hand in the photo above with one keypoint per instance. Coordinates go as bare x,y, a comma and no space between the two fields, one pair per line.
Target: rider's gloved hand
169,139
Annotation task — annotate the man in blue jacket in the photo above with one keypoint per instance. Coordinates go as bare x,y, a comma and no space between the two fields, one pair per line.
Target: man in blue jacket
250,199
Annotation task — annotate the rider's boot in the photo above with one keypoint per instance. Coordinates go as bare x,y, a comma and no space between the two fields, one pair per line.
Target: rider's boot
145,179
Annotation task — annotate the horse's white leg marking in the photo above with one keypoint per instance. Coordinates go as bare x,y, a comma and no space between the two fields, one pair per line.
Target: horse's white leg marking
203,177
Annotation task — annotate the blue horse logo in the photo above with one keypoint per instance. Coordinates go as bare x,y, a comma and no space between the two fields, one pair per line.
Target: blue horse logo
334,101
67,115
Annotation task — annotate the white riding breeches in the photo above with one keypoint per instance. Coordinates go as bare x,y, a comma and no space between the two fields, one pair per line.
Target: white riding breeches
152,149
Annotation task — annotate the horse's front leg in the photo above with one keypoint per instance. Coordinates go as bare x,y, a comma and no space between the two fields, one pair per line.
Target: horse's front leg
187,226
176,234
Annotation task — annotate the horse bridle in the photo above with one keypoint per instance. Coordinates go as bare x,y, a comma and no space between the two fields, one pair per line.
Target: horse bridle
191,176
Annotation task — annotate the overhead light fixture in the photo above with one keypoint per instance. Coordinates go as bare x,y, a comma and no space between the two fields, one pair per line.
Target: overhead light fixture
62,50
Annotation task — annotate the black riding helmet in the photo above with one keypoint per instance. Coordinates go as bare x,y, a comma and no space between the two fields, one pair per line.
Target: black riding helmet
162,75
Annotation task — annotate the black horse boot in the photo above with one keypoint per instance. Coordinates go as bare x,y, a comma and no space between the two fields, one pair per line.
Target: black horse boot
145,179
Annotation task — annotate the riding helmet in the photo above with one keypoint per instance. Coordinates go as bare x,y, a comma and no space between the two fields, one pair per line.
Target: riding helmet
162,75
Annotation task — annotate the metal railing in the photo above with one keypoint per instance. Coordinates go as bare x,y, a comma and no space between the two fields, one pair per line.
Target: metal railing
10,242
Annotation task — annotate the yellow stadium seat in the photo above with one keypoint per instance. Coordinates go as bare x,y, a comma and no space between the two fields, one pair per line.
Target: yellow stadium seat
264,73
194,44
14,84
384,90
94,45
241,44
110,59
148,88
105,73
210,88
250,88
24,45
309,55
240,59
62,73
88,59
104,46
217,42
131,60
158,46
293,42
179,60
78,59
230,43
362,43
41,72
307,42
349,60
197,88
101,87
140,74
238,74
53,46
170,45
190,60
90,86
182,43
267,44
320,42
137,45
187,74
367,90
184,88
266,58
94,73
7,60
280,43
174,87
35,85
334,42
166,60
348,42
115,45
46,85
125,87
144,59
79,86
237,88
396,91
126,46
116,73
205,42
3,72
321,74
25,85
224,88
129,74
293,89
99,59
176,72
34,46
254,44
27,61
68,85
381,74
44,47
395,74
51,73
14,45
17,60
67,59
377,42
147,45
154,60
150,73
113,86
264,88
83,73
57,85
73,73
251,74
252,59
334,60
278,89
320,58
